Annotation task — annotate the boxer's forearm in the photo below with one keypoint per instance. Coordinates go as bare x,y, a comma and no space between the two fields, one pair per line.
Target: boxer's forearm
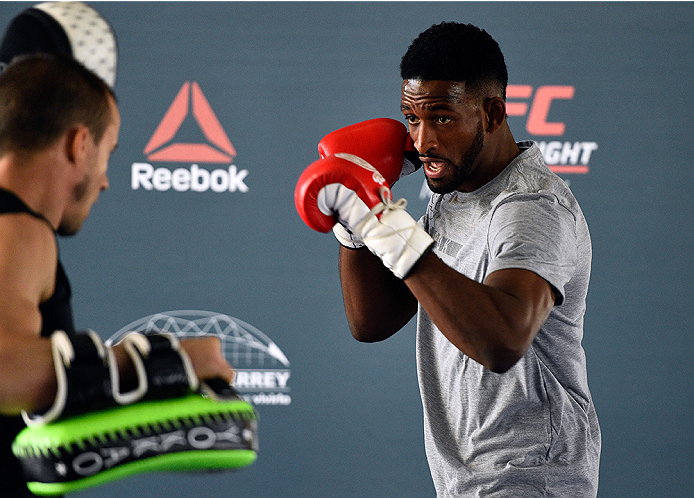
27,373
377,303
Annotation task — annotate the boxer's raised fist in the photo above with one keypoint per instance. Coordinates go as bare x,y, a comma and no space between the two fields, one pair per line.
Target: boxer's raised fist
345,189
340,188
383,142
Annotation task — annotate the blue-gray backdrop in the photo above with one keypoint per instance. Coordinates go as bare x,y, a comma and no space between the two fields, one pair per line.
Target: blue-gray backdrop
606,89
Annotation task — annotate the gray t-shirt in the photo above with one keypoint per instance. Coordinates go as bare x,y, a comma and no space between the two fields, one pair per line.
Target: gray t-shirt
533,430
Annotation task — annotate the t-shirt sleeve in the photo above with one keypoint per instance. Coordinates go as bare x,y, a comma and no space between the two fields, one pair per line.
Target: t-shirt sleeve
534,232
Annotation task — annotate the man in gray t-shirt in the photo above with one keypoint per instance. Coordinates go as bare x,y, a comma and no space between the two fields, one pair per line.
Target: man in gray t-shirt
532,431
497,273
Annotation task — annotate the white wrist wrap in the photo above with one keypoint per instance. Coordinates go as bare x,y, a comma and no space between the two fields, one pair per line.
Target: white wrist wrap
350,210
346,238
395,237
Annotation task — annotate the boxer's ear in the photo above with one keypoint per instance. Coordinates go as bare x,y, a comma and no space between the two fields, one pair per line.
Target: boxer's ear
495,111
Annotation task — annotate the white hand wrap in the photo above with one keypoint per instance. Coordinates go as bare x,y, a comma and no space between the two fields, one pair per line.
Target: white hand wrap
395,237
350,209
387,229
346,238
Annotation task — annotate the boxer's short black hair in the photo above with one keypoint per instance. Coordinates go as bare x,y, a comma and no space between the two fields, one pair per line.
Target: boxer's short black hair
452,51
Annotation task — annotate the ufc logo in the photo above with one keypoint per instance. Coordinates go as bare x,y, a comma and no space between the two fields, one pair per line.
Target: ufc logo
538,109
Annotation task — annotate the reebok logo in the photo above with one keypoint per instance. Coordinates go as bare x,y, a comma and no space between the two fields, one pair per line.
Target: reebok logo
171,142
194,179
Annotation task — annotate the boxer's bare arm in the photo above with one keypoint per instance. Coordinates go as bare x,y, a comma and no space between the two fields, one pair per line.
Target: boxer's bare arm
28,261
377,303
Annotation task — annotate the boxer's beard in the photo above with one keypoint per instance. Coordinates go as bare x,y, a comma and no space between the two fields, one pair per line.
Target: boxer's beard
462,170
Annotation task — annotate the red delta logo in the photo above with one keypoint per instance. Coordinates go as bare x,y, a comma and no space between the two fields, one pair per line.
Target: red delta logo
561,156
206,119
190,103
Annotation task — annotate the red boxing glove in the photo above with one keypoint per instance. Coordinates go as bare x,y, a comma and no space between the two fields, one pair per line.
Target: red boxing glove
345,189
382,142
340,188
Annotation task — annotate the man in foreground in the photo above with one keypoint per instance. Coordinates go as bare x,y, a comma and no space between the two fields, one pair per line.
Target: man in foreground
59,124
